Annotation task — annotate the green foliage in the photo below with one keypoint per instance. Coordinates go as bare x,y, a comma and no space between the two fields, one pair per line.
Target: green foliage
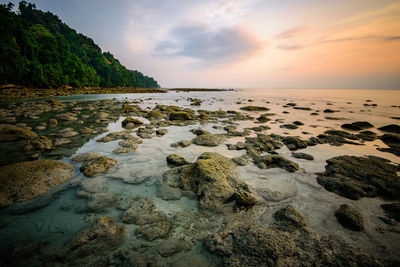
38,49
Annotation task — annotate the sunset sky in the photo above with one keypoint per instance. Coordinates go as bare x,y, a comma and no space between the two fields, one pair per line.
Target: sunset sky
275,43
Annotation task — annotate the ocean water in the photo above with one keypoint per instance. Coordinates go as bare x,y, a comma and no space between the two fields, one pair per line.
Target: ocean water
65,215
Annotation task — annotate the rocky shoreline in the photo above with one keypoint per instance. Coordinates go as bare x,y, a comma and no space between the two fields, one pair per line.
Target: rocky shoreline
235,222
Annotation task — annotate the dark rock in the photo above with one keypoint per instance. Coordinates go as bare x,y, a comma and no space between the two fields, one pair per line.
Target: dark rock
328,110
338,138
392,128
130,123
392,210
294,142
357,126
254,108
289,126
356,177
301,155
161,132
350,218
209,139
275,161
180,115
13,133
299,123
367,135
393,141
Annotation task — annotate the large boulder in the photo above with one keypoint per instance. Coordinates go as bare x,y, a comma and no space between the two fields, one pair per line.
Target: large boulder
97,166
214,180
356,177
26,180
13,133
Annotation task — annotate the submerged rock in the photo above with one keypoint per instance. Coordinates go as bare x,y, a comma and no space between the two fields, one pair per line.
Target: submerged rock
213,179
13,133
356,177
275,161
85,156
26,180
115,136
97,166
176,160
288,242
99,202
142,212
160,229
350,218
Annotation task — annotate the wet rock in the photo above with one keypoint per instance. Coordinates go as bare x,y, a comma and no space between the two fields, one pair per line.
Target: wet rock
180,115
26,180
115,136
294,142
41,143
289,242
99,165
261,143
145,133
89,246
62,141
393,141
367,135
176,160
301,155
270,195
254,108
209,139
338,138
328,110
392,128
289,126
183,143
13,133
260,128
99,202
141,212
155,230
171,246
242,160
67,132
298,123
357,126
392,210
213,179
102,115
70,117
356,177
203,116
161,132
263,118
85,156
199,131
130,123
154,114
275,161
350,218
302,108
237,146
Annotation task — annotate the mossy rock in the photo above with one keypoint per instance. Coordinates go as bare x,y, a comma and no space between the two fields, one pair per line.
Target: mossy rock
254,108
180,115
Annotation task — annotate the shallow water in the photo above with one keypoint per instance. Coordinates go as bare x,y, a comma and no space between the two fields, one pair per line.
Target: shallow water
56,223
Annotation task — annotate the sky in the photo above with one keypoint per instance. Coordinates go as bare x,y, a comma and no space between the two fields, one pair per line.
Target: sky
246,43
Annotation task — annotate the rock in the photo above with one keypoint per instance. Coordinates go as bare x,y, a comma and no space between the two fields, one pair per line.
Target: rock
86,130
26,180
85,156
356,177
102,115
392,210
237,146
53,122
176,160
154,114
289,126
357,126
154,231
261,143
103,235
67,132
203,116
328,110
142,212
275,161
393,141
183,143
294,142
302,108
214,180
171,246
161,132
13,133
41,143
298,123
199,132
97,166
350,218
254,108
180,115
263,118
242,160
145,133
67,117
62,141
288,242
115,136
392,128
301,155
367,135
338,138
99,202
130,123
209,139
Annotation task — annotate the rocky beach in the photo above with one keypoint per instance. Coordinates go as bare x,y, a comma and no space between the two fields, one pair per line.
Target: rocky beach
248,177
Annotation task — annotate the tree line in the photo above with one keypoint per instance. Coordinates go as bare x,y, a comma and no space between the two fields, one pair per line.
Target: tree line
37,49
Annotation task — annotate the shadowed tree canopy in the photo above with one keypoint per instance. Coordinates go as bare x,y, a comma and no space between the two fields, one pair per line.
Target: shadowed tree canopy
38,49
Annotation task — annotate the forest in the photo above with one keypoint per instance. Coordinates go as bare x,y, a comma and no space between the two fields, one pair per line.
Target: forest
38,50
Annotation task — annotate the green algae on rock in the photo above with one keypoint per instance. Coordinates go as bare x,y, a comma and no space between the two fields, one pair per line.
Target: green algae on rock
40,175
350,218
254,108
213,179
97,165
